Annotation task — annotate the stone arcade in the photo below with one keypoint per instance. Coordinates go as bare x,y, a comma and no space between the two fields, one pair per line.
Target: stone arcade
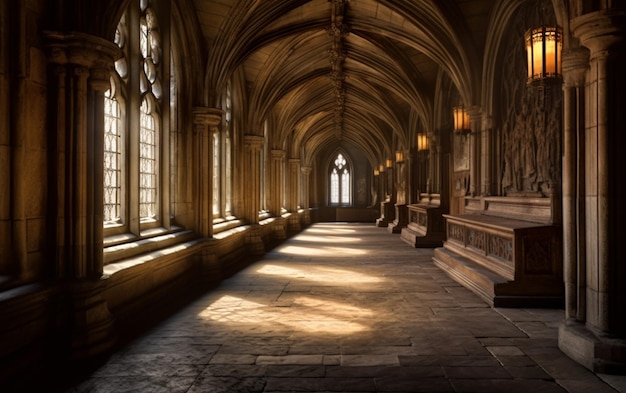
153,146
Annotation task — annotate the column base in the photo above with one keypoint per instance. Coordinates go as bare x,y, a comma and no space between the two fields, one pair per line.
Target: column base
600,354
92,330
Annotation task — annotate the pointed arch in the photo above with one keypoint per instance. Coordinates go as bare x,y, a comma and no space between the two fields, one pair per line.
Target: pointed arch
339,181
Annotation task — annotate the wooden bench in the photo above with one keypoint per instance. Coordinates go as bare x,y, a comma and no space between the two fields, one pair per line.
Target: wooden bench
506,261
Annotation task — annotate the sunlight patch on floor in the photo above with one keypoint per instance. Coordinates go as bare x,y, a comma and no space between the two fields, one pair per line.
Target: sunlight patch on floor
321,251
329,230
327,239
320,274
308,314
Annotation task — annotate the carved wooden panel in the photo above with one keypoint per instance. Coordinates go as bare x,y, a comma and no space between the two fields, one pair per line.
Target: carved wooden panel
477,239
456,232
501,247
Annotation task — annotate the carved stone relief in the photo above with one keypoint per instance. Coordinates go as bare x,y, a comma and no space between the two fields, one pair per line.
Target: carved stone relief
530,119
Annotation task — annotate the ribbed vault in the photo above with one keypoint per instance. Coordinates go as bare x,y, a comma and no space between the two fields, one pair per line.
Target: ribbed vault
368,92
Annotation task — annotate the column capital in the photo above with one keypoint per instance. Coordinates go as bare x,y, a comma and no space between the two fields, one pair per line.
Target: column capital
278,154
294,161
253,140
207,116
600,30
81,49
575,63
306,170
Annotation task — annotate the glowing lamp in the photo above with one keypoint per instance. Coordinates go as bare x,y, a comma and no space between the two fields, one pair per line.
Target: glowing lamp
399,156
543,49
422,142
461,120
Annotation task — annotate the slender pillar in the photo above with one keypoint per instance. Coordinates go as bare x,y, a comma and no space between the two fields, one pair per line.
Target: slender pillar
485,155
206,122
475,137
293,194
277,180
575,64
305,180
252,191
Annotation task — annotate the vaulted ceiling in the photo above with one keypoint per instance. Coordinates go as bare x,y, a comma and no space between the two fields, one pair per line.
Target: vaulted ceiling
359,71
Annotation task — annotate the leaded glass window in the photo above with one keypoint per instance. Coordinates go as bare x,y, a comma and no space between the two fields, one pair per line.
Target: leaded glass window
340,183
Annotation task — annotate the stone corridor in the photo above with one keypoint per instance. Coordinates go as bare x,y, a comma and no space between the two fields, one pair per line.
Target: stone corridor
346,308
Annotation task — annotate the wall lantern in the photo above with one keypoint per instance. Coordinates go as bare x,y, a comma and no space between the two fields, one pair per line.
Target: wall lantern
399,156
422,141
389,163
376,172
381,168
543,49
461,120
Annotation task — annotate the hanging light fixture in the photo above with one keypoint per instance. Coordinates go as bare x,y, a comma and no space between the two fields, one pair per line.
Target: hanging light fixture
389,163
399,156
461,120
543,49
422,141
381,168
376,172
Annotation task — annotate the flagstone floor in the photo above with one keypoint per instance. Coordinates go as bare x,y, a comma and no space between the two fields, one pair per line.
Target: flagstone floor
346,307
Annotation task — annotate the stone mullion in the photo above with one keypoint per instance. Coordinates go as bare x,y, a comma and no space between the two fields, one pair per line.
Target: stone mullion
276,181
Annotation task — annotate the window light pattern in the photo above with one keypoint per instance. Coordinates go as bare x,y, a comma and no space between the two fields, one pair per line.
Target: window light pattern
147,165
112,160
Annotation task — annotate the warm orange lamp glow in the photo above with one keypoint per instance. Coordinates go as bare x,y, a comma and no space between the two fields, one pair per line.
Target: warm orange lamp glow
543,49
461,119
389,163
422,141
376,172
399,156
381,168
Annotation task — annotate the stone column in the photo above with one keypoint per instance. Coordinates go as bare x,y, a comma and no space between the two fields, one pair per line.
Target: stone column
485,155
306,175
206,122
293,194
575,64
475,139
600,342
252,191
81,66
277,179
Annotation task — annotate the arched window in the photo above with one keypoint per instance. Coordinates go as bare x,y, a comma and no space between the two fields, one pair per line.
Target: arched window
340,186
222,161
136,163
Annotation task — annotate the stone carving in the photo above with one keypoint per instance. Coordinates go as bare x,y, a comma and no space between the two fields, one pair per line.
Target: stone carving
531,128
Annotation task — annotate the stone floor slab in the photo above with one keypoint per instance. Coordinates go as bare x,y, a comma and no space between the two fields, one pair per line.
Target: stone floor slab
363,313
